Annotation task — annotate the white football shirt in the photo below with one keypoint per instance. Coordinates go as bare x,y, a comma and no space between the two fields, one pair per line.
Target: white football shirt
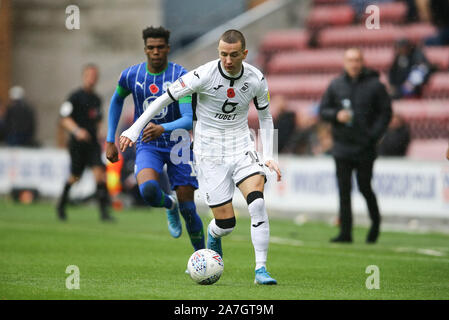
221,107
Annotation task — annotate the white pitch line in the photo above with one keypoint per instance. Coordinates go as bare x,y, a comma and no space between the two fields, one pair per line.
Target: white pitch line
428,252
291,242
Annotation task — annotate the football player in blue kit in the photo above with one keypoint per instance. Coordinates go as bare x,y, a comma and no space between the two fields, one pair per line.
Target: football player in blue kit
147,81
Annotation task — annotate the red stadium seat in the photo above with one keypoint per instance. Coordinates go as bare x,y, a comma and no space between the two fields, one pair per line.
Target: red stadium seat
321,16
300,87
417,32
306,61
361,36
294,39
438,56
329,2
438,86
427,149
428,119
302,108
392,12
325,61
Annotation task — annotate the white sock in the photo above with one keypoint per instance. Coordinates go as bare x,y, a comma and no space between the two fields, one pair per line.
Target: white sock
260,231
218,232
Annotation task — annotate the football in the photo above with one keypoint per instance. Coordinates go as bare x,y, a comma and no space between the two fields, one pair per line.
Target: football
205,266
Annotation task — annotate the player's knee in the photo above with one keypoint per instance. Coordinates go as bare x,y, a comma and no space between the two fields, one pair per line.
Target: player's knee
256,205
150,192
225,226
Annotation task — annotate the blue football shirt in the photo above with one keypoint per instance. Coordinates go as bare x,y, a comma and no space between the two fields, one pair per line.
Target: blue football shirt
145,87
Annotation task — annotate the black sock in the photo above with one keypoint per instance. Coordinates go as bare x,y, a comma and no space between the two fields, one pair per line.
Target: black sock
103,199
65,195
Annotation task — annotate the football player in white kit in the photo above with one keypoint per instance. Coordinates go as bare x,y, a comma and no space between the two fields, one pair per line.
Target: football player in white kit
225,154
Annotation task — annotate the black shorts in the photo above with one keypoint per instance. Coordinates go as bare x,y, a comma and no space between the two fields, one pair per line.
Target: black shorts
84,155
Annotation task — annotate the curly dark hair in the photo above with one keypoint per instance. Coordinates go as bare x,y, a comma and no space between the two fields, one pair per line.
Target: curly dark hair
151,32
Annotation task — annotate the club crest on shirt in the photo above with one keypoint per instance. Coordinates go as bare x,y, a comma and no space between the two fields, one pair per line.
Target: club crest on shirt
154,88
161,114
92,113
231,93
245,87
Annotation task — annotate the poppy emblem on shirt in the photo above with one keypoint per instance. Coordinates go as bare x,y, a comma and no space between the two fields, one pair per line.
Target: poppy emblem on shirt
231,93
92,113
154,88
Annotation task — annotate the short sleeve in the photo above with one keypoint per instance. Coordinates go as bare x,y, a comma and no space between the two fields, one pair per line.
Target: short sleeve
123,88
187,84
66,109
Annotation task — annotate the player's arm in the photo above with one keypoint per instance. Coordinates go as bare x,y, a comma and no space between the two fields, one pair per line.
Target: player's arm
115,111
182,87
261,102
153,131
69,124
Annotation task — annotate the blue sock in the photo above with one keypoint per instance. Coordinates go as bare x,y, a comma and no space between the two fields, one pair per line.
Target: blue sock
194,225
153,195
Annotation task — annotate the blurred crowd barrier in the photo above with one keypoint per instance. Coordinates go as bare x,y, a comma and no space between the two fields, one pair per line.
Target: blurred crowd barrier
404,186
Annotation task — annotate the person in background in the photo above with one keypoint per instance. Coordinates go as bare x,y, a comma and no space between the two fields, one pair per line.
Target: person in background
285,123
397,138
358,106
437,13
409,71
20,120
81,116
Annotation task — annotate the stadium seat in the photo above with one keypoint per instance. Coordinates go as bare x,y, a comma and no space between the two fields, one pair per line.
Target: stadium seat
325,61
428,149
300,87
301,107
331,60
330,15
294,39
428,119
329,2
392,12
306,61
438,56
361,36
438,86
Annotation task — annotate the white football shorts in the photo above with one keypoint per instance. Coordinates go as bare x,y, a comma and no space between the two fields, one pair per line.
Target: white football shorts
218,176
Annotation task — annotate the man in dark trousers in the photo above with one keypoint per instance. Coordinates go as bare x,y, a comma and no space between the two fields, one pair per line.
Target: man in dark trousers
81,116
358,106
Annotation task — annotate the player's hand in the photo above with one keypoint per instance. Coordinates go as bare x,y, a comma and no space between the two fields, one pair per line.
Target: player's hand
111,152
82,135
125,143
152,132
447,153
344,116
274,166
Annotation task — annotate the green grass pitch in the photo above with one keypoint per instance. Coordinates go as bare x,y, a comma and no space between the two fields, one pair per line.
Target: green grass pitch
136,258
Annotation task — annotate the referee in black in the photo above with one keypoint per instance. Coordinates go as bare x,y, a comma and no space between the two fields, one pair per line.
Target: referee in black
358,106
81,116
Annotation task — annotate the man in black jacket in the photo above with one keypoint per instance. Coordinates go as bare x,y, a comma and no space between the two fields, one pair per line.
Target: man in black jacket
358,106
